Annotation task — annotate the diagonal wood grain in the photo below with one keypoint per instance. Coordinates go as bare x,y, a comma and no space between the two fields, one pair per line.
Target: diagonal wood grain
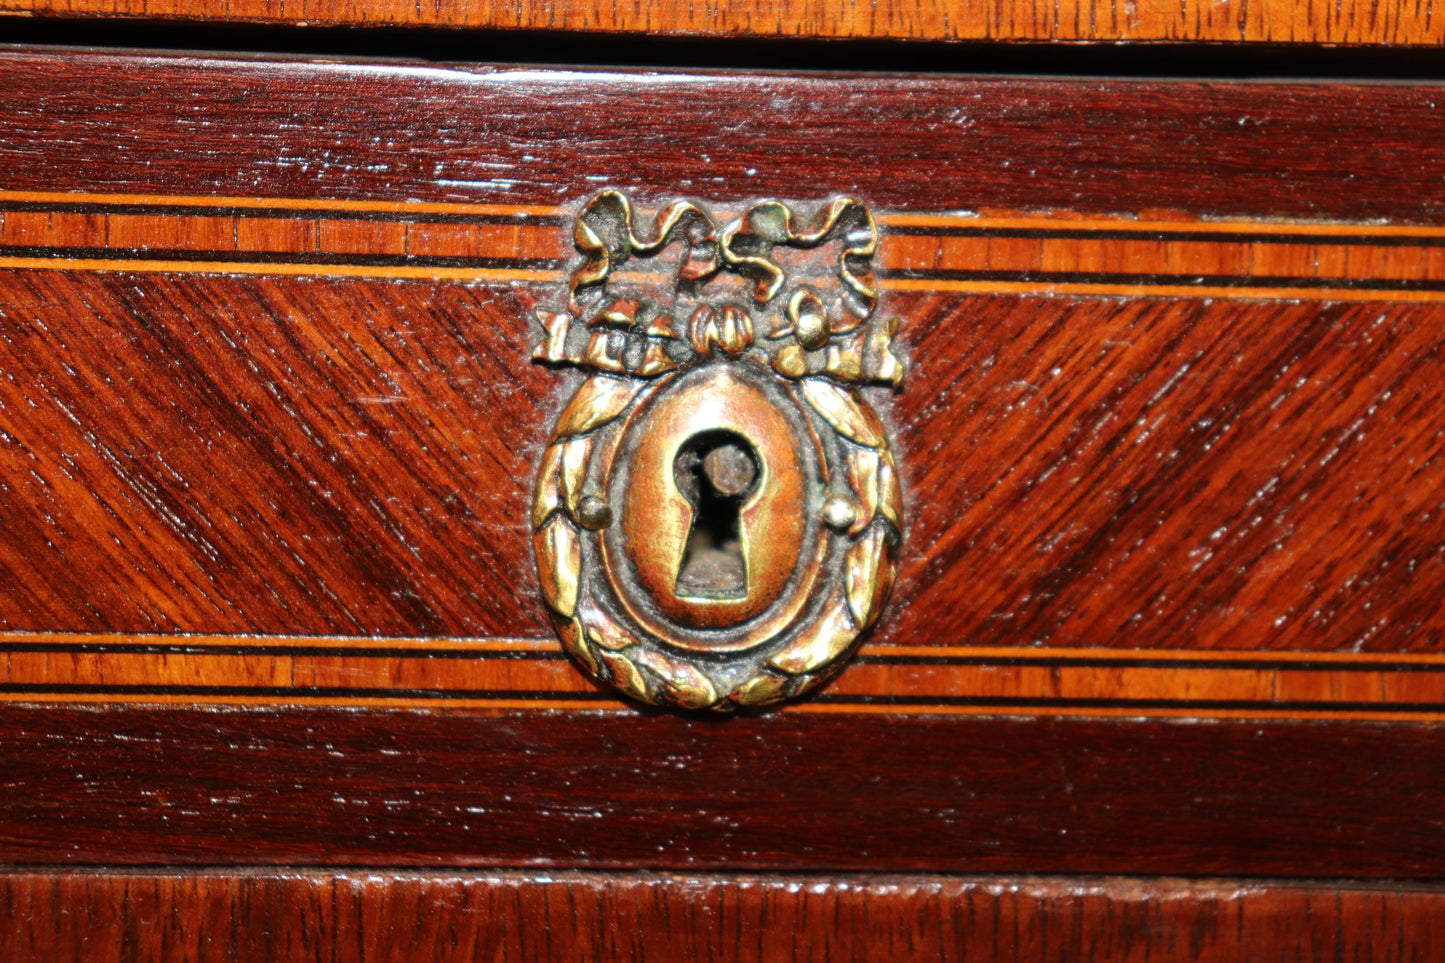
257,454
252,455
1162,474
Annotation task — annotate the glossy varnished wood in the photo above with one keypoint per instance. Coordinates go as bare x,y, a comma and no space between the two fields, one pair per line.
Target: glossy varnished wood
449,673
1175,474
263,376
338,441
521,136
360,417
502,917
1272,21
232,455
997,252
775,792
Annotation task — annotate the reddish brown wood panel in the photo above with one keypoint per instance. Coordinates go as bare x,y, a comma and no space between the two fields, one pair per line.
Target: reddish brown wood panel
268,455
347,457
1271,21
519,918
336,439
1173,474
773,792
76,122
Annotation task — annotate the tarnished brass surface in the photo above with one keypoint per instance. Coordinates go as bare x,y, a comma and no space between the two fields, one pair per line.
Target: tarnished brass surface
657,519
718,512
781,542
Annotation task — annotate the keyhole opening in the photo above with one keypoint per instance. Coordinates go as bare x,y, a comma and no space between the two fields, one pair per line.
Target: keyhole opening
715,471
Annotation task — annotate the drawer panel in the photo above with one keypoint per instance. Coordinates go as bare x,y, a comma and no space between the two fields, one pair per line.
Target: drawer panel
1170,455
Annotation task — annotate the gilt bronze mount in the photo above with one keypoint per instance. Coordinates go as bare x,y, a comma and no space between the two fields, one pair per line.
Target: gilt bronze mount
718,512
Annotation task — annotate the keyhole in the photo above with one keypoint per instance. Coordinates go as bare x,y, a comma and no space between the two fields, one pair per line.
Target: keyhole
715,471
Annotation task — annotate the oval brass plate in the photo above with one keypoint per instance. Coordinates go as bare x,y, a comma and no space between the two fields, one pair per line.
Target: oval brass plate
718,512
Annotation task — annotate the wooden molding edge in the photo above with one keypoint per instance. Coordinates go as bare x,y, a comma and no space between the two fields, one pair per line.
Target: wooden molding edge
1234,21
395,915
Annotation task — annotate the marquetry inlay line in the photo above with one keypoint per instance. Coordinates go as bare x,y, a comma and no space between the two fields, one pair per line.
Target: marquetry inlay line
819,705
1058,253
362,645
533,673
1046,709
1063,220
345,644
1169,291
1212,656
608,704
279,203
105,266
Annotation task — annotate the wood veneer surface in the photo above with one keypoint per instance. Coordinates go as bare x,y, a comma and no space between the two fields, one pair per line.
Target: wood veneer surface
776,792
1272,21
273,456
218,423
522,136
387,915
269,425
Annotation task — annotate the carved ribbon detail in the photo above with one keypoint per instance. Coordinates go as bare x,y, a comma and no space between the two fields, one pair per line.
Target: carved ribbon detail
816,318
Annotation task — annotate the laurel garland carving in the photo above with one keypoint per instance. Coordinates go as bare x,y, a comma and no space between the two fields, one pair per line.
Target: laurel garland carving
815,330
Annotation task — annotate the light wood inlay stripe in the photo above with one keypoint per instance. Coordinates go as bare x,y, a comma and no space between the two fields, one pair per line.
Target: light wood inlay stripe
533,673
1064,220
1170,291
280,203
1057,253
548,647
104,265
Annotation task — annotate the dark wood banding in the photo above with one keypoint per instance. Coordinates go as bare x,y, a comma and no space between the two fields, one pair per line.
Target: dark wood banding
388,132
139,785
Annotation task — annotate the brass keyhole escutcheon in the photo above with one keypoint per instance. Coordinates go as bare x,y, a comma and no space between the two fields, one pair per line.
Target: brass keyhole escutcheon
682,582
718,511
716,471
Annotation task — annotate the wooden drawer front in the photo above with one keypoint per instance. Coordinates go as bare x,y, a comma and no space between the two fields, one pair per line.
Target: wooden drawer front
1170,438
